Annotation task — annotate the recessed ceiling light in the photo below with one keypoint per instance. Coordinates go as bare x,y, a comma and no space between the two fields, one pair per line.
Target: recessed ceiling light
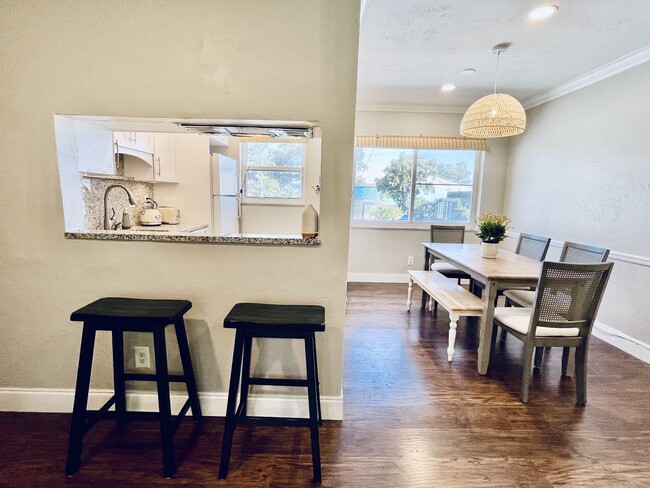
543,12
468,71
448,87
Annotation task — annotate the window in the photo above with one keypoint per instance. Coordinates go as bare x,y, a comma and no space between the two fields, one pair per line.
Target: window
274,172
413,185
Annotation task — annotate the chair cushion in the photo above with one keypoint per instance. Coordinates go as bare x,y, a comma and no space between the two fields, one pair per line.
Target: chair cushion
523,298
449,270
519,319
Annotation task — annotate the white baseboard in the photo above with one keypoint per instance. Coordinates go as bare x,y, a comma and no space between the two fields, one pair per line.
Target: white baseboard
212,404
378,278
624,342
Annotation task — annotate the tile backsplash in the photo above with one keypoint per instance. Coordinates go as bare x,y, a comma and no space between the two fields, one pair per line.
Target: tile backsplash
93,198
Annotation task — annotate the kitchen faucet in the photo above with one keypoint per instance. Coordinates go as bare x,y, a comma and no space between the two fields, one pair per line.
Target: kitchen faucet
107,219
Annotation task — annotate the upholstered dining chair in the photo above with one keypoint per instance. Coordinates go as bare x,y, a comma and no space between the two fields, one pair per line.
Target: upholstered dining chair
565,306
453,234
571,253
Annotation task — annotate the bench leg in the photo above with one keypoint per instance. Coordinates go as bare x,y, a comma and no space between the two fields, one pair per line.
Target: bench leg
453,323
409,296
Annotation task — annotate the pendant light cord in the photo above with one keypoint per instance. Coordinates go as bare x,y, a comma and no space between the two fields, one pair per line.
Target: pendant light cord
497,72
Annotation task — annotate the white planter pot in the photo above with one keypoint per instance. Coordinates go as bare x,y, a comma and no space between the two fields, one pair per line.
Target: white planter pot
489,250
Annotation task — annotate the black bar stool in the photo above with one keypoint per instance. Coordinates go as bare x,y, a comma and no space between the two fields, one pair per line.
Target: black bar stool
272,321
119,315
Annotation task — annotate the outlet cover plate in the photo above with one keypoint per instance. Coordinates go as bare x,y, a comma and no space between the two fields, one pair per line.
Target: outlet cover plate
142,359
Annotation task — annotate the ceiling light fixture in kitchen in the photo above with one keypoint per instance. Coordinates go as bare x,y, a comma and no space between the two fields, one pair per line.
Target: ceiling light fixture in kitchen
543,12
448,87
467,71
495,115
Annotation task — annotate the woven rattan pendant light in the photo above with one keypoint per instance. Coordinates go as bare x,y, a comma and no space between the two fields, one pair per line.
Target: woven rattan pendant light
495,115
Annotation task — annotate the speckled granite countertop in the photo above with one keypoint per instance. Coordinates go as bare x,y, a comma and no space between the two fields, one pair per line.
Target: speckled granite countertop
176,233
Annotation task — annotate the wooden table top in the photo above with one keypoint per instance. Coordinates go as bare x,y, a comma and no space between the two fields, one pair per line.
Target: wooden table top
506,265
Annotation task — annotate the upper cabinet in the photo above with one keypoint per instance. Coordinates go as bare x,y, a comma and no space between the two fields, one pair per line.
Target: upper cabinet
138,144
165,158
94,148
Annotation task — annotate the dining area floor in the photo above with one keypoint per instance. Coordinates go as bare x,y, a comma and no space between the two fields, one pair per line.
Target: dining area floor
411,419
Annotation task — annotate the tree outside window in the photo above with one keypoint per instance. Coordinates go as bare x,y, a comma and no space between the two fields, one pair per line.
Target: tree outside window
274,170
412,185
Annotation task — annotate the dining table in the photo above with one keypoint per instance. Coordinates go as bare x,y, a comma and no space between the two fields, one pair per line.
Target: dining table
507,270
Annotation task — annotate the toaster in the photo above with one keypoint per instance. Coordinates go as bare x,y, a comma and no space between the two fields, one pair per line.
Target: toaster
170,215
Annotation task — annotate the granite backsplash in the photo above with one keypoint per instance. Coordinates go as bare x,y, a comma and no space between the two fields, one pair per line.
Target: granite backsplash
93,198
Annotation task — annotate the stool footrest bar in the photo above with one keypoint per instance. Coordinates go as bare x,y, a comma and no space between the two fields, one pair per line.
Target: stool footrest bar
152,377
277,382
281,421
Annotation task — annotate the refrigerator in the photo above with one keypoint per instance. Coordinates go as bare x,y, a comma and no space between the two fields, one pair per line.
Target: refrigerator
226,196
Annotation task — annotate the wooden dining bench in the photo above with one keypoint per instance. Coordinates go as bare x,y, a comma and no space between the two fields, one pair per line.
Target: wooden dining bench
458,301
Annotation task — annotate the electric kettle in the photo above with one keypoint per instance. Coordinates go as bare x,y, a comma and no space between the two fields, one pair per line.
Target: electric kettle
150,216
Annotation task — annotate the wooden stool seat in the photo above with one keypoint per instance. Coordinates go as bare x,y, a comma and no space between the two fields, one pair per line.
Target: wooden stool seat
253,320
119,315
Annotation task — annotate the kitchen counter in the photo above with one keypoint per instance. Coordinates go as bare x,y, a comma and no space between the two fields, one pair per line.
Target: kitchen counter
190,233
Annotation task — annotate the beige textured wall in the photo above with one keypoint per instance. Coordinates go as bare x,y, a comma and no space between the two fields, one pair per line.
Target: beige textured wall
376,250
244,59
581,172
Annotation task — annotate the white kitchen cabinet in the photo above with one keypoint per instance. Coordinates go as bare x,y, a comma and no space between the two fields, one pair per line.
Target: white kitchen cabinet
165,167
94,148
137,141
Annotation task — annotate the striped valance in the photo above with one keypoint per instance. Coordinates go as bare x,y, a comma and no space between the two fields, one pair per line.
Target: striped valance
422,142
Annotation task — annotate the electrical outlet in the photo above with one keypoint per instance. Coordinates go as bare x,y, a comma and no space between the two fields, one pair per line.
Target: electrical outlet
409,261
142,359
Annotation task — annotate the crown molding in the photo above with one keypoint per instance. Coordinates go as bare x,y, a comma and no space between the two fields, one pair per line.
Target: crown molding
415,108
610,69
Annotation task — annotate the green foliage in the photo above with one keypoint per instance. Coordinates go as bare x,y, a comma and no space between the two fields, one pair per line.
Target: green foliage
273,184
386,212
396,183
360,166
492,227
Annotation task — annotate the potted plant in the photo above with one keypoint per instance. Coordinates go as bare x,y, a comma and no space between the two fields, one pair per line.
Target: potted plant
491,230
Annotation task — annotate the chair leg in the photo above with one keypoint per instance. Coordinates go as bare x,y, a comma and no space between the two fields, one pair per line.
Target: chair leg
78,422
188,369
164,404
231,421
245,376
504,334
320,411
539,355
527,370
581,375
118,374
312,380
566,351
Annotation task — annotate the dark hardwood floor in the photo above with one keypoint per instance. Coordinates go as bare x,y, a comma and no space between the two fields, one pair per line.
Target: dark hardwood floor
411,420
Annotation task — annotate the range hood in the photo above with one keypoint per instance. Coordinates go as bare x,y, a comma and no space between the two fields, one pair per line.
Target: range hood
278,132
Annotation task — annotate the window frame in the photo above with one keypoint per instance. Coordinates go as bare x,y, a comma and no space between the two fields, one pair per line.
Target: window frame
479,159
289,202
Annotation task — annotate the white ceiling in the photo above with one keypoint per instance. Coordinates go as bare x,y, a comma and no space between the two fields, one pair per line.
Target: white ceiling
410,48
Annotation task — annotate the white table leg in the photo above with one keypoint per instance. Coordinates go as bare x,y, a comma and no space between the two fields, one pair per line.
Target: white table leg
410,295
452,335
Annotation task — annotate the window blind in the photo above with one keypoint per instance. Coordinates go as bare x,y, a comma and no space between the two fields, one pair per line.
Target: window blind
422,142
